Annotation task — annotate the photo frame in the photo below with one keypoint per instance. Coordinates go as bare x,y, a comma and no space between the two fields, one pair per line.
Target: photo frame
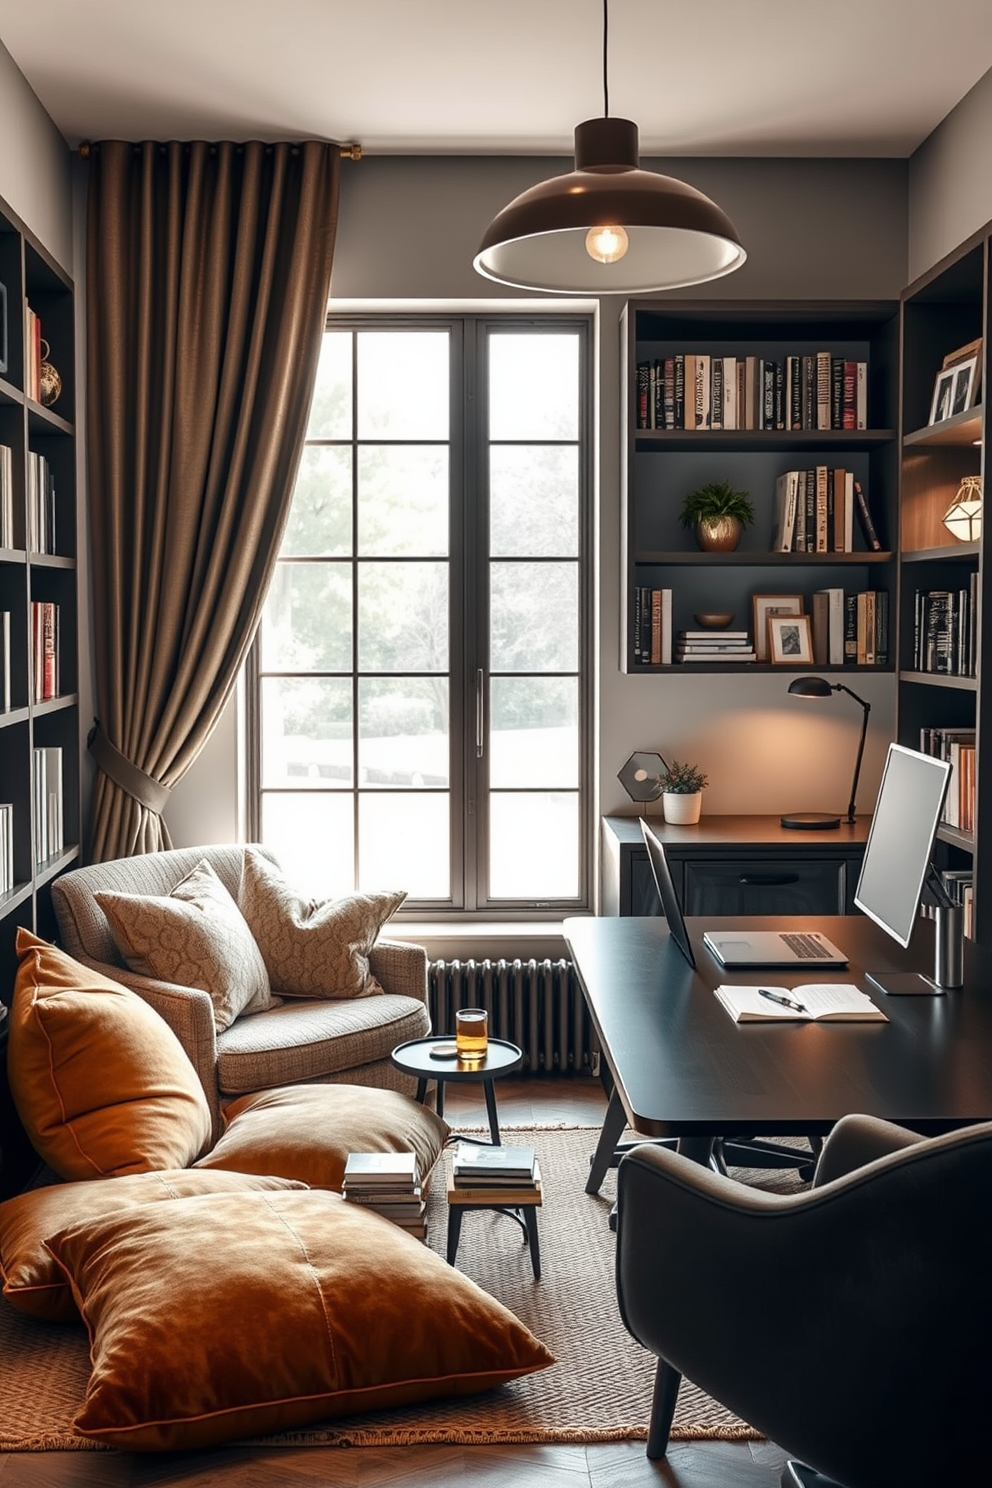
964,354
790,640
964,383
765,605
3,328
943,395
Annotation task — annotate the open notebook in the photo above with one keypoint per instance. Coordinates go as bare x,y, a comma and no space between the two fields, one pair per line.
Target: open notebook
815,1002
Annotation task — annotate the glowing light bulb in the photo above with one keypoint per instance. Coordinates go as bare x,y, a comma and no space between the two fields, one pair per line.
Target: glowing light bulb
607,244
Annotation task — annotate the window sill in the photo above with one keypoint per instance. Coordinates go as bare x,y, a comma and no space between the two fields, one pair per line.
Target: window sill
460,940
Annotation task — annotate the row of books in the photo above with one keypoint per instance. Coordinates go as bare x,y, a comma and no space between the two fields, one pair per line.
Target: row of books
945,630
41,504
477,1170
957,746
44,649
815,510
813,391
714,646
960,885
6,847
49,838
388,1183
32,353
850,628
6,496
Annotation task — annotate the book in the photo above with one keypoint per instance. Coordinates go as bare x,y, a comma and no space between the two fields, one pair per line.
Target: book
783,529
828,627
864,517
474,1162
389,1170
509,1194
819,1002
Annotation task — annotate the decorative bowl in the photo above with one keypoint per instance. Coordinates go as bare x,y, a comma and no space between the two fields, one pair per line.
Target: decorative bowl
713,622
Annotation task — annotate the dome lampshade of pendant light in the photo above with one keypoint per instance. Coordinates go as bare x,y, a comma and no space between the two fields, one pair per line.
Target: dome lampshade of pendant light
608,227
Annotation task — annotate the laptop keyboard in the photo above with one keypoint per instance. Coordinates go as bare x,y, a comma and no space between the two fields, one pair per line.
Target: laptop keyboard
804,946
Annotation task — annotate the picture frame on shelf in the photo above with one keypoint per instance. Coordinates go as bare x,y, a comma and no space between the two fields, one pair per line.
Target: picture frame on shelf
3,328
943,395
766,605
790,640
963,354
964,383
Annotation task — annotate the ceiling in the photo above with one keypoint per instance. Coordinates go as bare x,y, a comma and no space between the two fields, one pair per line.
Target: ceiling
700,77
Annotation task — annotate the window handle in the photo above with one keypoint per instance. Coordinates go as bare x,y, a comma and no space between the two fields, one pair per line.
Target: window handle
480,714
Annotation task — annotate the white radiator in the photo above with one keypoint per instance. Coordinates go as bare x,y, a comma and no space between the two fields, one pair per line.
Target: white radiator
536,1004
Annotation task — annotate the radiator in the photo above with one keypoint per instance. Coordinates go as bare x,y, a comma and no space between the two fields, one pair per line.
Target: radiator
536,1004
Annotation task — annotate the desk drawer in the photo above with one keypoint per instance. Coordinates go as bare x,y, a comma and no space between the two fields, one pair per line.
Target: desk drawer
803,886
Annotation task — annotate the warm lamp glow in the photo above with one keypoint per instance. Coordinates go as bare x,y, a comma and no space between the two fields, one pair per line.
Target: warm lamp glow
963,518
607,245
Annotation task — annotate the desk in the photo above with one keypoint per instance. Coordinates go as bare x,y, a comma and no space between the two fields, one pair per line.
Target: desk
682,1068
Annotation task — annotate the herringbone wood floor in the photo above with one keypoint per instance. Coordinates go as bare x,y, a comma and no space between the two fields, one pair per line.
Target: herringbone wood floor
603,1465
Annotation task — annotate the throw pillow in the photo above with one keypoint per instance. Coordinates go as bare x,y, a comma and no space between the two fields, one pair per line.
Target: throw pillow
32,1282
196,937
307,1131
312,948
101,1083
236,1314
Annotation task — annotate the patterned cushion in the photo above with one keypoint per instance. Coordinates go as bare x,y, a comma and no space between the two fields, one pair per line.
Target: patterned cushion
307,1131
32,1282
234,1315
100,1081
312,948
195,937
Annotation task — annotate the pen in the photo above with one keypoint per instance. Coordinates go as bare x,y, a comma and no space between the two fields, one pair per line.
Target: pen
783,1001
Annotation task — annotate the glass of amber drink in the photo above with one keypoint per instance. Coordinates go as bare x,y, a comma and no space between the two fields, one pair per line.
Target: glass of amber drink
472,1033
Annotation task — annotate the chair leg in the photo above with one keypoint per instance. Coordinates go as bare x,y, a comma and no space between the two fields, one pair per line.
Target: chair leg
666,1394
798,1475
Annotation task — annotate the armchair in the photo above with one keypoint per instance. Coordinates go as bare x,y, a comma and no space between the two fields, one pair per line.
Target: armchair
848,1323
303,1040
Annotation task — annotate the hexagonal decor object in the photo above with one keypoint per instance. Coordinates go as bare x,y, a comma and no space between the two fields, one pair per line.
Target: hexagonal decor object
641,776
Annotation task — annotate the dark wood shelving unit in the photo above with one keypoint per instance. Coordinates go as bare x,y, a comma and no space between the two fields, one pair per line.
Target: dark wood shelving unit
30,274
661,466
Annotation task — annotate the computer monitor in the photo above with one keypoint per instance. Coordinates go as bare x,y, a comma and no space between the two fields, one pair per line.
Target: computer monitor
671,908
897,861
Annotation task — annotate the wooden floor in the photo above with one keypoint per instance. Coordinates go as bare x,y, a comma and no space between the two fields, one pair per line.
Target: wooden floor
601,1465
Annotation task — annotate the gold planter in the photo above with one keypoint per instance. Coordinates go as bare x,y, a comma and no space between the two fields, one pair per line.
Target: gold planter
719,534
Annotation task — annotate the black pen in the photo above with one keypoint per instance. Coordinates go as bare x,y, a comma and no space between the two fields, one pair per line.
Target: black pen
782,1001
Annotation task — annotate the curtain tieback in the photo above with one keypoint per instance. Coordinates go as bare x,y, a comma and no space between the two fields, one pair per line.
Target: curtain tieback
147,792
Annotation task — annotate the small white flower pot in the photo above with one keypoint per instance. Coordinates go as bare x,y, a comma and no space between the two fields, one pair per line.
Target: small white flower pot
682,810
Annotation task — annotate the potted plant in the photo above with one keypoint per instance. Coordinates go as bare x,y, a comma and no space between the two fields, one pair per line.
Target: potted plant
719,515
682,789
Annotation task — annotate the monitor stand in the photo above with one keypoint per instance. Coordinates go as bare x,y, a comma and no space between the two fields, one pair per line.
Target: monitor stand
904,983
949,970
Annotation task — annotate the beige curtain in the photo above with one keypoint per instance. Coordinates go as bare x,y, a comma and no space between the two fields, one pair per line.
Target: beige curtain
208,271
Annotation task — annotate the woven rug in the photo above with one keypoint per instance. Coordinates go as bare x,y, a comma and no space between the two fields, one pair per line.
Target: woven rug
598,1390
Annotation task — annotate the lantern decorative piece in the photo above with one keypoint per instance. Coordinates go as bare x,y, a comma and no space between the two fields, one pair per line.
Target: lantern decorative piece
963,518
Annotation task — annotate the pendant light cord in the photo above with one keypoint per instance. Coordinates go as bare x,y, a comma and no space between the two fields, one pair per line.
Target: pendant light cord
606,80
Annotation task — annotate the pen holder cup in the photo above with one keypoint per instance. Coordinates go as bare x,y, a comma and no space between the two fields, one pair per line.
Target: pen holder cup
949,970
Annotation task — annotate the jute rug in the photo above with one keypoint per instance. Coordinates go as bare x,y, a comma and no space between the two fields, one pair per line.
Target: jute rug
599,1389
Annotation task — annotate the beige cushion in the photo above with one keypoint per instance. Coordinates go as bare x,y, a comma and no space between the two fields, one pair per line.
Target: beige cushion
307,1131
196,937
233,1315
33,1282
101,1083
312,948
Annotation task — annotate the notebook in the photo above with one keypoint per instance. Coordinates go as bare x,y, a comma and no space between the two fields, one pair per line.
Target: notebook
737,947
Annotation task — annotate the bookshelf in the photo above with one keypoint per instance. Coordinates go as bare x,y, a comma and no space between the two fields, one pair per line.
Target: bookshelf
662,465
942,313
40,727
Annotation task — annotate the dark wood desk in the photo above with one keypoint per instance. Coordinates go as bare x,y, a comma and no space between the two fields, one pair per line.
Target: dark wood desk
682,1068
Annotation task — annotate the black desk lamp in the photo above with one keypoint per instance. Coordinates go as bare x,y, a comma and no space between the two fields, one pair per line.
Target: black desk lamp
821,821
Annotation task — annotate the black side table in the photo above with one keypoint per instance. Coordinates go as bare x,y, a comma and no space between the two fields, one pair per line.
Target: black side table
502,1058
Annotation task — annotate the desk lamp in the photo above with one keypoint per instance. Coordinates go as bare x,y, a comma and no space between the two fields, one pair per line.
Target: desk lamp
820,821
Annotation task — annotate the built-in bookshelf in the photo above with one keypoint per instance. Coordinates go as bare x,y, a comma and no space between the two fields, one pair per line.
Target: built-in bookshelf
39,711
807,388
943,625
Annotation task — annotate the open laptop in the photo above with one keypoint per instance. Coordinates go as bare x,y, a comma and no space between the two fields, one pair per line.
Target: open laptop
743,947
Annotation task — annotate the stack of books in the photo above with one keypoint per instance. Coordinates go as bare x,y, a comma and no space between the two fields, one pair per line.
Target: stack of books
389,1183
48,813
714,645
6,847
511,1172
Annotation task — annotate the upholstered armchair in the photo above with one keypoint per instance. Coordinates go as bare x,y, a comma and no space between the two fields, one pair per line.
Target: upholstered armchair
347,1041
849,1323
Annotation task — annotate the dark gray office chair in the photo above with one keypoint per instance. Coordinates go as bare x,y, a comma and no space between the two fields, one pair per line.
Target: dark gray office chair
850,1323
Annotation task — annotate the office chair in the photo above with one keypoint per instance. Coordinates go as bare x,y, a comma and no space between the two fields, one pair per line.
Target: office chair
848,1323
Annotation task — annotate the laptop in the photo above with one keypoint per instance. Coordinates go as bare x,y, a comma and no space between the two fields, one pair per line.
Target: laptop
791,948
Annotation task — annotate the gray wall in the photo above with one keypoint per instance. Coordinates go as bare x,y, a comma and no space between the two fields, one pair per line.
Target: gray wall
950,180
34,164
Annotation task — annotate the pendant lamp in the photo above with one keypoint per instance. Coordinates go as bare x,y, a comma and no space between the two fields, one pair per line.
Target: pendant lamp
608,227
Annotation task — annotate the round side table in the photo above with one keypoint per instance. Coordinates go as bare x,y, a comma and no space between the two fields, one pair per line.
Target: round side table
502,1058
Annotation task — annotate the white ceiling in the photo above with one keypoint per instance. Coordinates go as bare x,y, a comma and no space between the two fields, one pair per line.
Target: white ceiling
704,77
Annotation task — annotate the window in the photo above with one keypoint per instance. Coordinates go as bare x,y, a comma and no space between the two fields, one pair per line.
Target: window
420,678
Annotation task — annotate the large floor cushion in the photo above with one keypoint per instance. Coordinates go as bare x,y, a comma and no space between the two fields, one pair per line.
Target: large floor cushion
311,1040
237,1314
306,1132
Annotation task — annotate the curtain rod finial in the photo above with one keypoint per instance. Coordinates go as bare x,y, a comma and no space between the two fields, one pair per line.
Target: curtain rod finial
350,152
84,149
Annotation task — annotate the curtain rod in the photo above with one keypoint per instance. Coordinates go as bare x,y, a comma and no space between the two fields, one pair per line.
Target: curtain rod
346,152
